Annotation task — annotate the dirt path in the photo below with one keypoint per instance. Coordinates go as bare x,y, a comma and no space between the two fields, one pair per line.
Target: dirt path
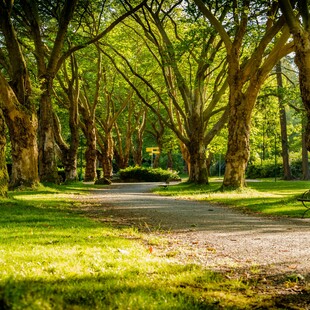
214,236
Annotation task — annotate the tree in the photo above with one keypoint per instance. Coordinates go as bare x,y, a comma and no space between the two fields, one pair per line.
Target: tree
299,25
287,175
35,22
246,73
17,103
70,84
185,86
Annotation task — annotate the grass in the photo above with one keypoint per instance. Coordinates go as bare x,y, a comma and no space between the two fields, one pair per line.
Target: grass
53,257
265,197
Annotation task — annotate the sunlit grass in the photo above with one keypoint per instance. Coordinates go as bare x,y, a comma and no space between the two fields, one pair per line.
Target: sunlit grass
264,196
53,257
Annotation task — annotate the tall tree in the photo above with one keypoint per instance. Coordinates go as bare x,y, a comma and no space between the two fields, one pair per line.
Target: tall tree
299,24
287,175
246,73
17,103
70,84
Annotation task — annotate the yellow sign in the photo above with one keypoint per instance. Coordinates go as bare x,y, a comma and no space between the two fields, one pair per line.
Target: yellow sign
153,149
156,152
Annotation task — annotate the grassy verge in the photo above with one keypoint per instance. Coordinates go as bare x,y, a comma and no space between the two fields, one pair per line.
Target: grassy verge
264,197
53,257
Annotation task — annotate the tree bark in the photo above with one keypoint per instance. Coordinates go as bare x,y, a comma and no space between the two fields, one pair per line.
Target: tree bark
22,126
91,151
48,170
305,156
106,155
17,106
4,178
238,146
287,175
300,28
137,146
198,162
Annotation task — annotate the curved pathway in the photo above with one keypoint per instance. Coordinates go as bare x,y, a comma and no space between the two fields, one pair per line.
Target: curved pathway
215,236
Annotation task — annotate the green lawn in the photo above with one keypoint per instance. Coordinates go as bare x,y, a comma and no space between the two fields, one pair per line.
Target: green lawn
53,257
264,196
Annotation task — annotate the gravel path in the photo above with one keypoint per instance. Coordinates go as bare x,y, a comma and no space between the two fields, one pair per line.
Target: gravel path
215,236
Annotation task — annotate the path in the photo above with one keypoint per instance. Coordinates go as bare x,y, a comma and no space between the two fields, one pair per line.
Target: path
214,236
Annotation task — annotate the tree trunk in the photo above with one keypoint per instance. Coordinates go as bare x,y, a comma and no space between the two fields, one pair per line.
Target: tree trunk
302,60
107,157
198,162
91,152
4,178
47,145
305,157
238,148
287,175
22,126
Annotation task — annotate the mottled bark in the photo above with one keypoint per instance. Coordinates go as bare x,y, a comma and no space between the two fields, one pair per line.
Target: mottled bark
17,106
198,164
4,178
305,155
302,60
48,170
137,146
299,25
22,126
287,175
91,152
106,155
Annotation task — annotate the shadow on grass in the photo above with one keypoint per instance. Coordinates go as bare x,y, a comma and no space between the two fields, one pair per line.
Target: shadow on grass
101,292
110,291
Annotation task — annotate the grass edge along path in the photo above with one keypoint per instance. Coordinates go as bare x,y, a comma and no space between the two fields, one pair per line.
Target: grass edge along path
264,197
53,257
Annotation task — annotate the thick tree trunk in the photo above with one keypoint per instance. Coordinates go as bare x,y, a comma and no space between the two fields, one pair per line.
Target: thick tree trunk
107,157
23,135
4,178
238,147
287,175
22,126
137,153
198,161
47,145
302,60
305,157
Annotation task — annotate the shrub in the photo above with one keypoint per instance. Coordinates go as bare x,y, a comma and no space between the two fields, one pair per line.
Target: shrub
142,174
266,170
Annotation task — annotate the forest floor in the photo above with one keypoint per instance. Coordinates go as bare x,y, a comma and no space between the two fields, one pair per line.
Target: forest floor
272,252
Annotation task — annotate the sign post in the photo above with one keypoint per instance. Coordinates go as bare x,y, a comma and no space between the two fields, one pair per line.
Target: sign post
151,151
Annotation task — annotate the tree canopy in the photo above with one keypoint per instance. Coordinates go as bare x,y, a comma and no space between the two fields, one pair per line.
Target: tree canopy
108,79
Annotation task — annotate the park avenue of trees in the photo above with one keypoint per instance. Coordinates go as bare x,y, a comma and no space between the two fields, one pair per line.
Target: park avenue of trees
93,83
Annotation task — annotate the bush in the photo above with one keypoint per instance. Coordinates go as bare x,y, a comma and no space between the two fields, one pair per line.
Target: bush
142,174
266,170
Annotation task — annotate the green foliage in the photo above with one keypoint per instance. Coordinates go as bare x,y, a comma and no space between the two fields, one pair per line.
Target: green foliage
268,168
143,174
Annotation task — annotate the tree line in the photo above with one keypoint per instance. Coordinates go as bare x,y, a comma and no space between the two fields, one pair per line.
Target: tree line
106,72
